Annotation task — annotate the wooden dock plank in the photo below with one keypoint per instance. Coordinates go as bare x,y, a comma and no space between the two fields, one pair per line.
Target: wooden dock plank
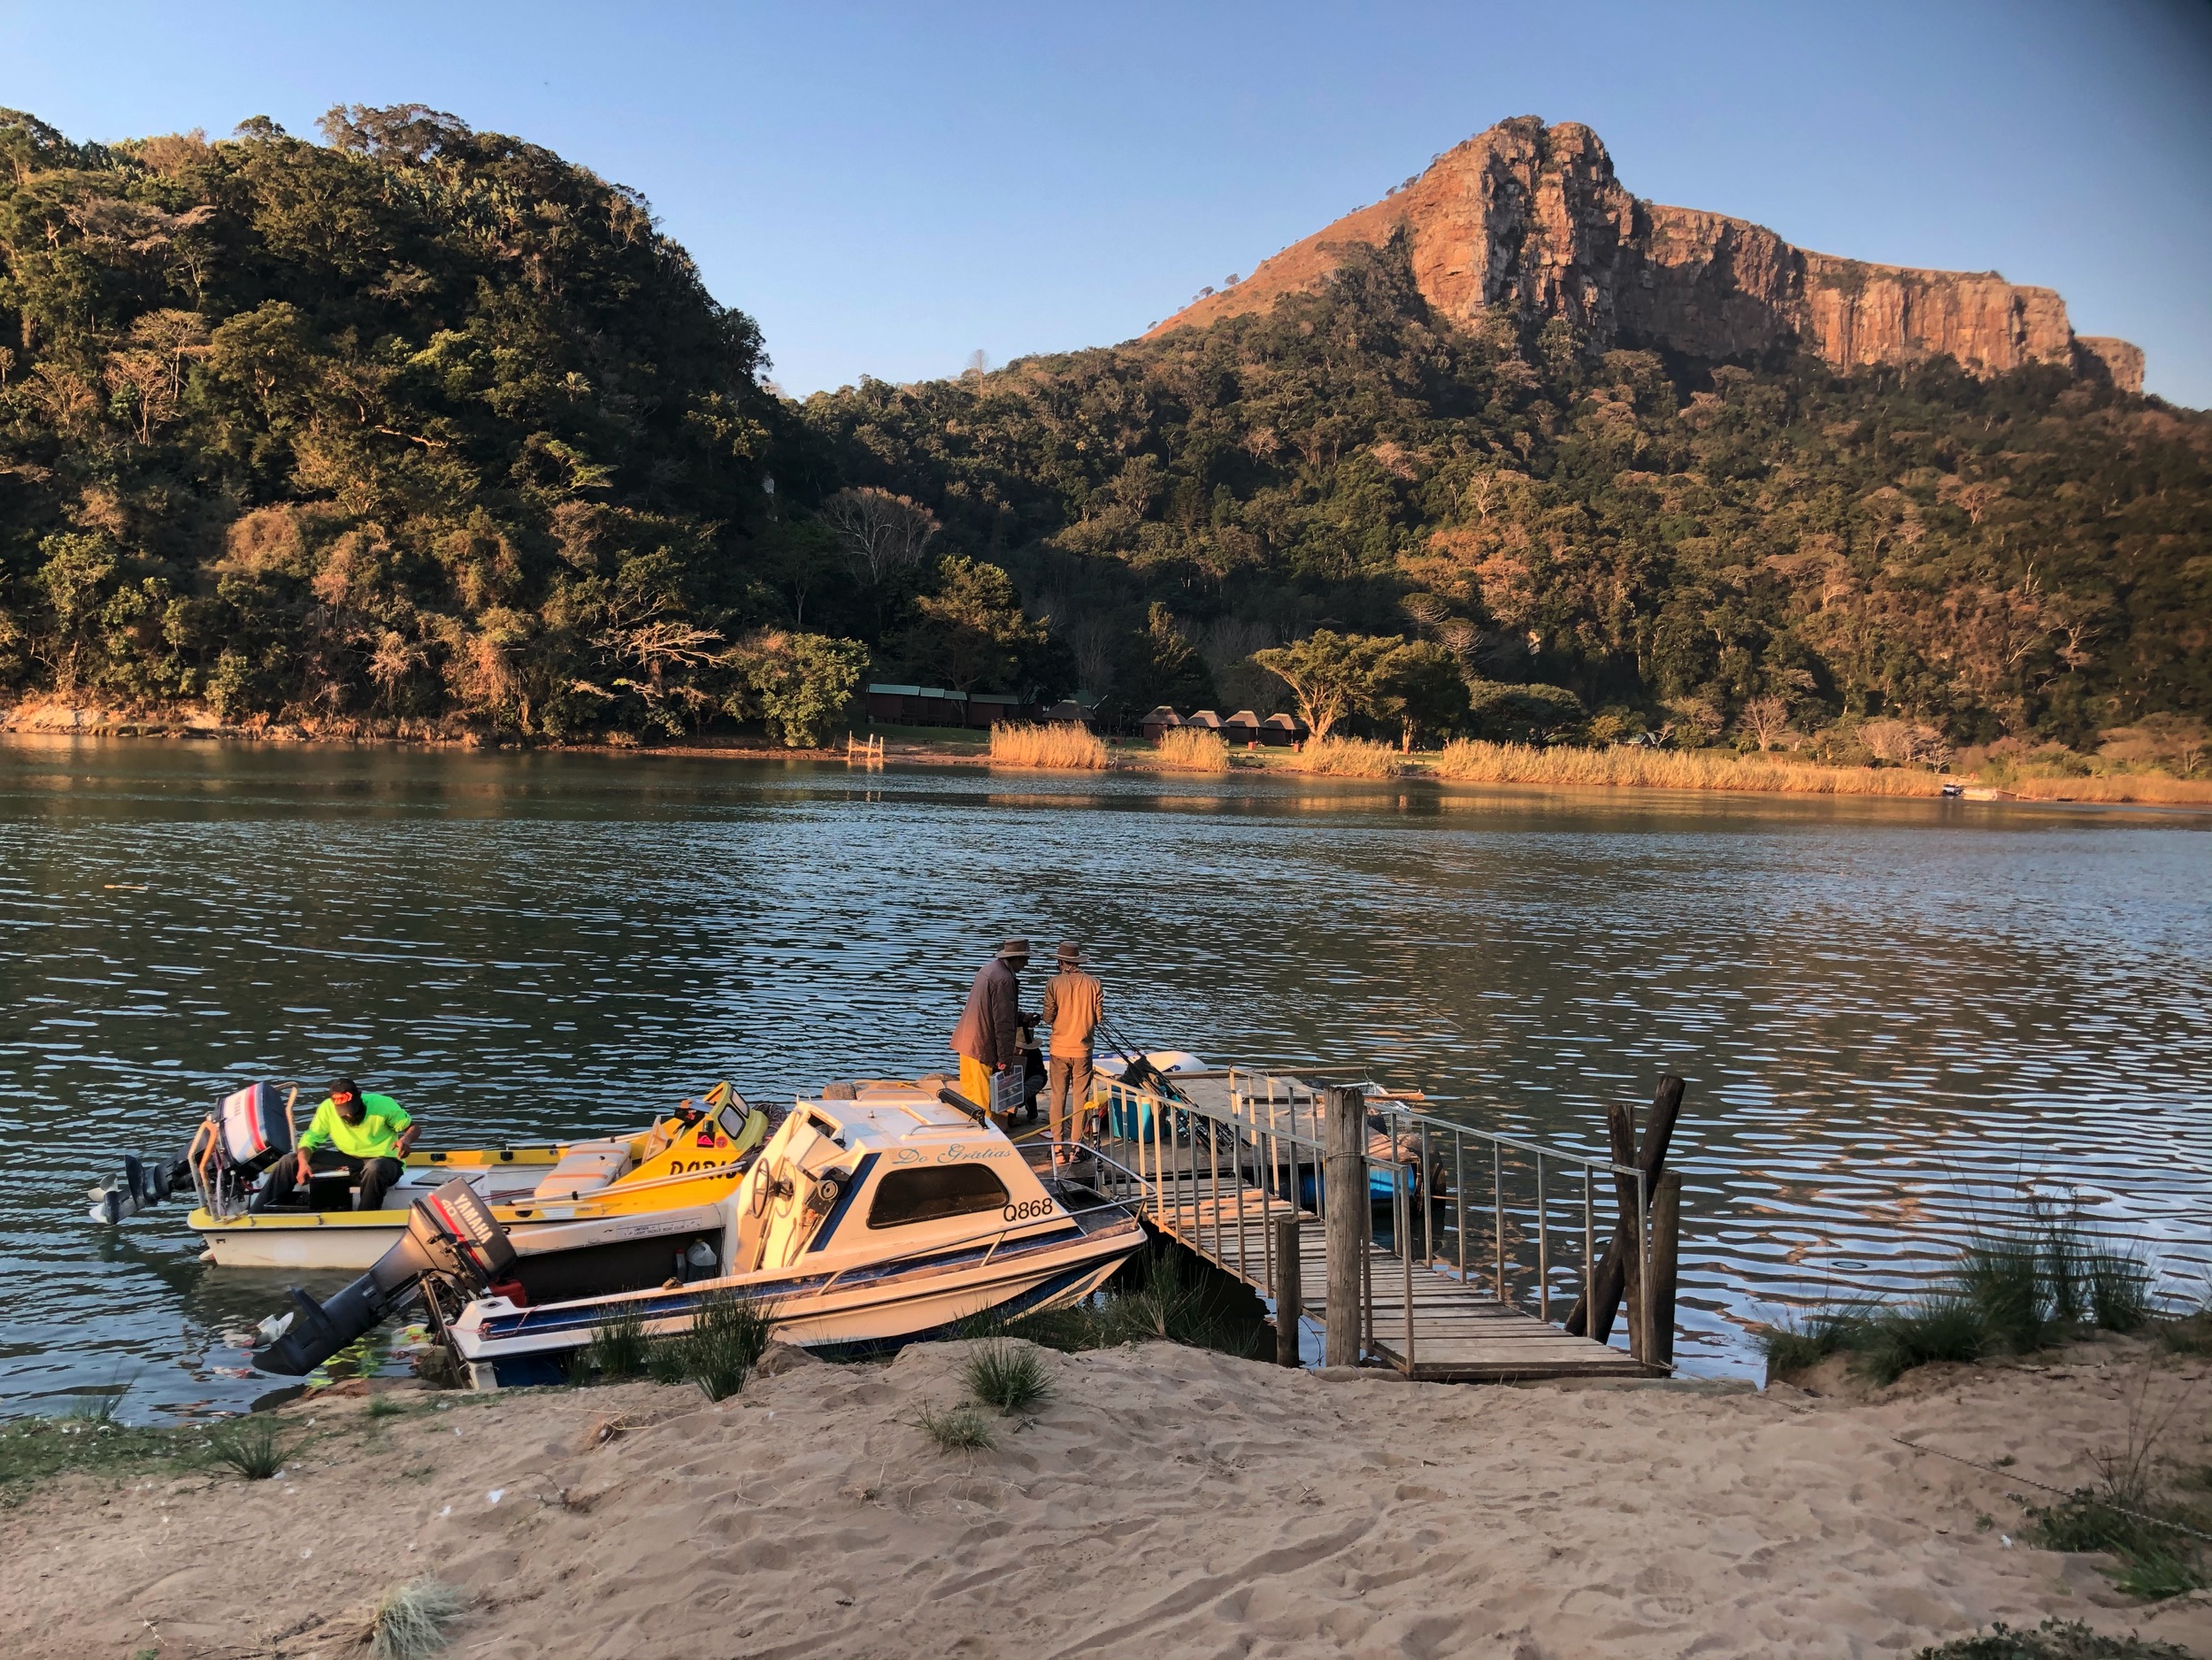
1462,1332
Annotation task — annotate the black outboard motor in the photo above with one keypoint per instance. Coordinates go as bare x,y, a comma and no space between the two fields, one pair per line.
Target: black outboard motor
452,1235
252,1129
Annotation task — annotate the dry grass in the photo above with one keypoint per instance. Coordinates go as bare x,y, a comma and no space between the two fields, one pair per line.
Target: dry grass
1064,744
1193,750
1673,769
1347,757
2143,787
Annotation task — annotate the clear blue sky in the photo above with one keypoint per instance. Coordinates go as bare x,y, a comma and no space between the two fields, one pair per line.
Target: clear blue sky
888,189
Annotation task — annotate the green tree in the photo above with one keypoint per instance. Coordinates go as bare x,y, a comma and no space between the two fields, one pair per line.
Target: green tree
1331,676
971,632
799,685
1419,686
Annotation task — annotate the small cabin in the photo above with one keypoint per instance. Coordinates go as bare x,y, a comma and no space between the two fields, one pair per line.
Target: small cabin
991,709
1157,723
1067,712
1205,720
1243,727
917,706
1281,730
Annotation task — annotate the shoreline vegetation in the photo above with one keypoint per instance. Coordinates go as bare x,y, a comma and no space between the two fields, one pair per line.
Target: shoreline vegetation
423,431
1464,761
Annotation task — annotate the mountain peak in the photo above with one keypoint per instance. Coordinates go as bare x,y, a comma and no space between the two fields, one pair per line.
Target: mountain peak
1529,218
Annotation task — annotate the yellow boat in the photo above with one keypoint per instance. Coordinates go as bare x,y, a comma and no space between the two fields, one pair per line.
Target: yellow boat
646,1192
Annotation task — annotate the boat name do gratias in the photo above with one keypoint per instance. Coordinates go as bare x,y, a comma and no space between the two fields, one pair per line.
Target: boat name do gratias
878,1213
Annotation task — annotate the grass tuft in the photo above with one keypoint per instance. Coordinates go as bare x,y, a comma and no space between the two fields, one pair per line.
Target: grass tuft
2119,1284
1009,1376
1061,744
617,1346
962,1429
1801,1341
414,1619
2155,1562
1193,750
254,1447
1347,757
727,1337
1945,1326
384,1406
2054,1639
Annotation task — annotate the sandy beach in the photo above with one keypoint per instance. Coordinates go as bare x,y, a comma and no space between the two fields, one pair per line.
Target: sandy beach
1165,1500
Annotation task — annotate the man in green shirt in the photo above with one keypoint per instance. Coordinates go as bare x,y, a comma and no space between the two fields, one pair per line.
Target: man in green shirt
364,1136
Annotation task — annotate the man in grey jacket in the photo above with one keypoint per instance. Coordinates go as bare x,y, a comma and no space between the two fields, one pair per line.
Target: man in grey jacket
988,1038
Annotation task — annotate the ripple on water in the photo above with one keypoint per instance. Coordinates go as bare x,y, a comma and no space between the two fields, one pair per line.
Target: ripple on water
1893,1015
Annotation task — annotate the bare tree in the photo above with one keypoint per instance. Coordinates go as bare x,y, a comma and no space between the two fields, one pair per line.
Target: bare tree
1764,718
877,532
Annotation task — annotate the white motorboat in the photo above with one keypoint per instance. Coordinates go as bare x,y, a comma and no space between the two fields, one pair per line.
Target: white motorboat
881,1213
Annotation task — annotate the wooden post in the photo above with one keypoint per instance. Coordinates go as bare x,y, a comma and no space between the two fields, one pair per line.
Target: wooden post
1621,1259
1287,1290
1666,1239
1344,1218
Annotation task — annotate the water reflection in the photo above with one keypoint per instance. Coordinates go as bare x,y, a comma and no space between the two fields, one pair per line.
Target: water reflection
1889,1011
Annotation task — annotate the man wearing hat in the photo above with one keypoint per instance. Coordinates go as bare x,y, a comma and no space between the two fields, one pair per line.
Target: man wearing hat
365,1135
988,1040
1074,1005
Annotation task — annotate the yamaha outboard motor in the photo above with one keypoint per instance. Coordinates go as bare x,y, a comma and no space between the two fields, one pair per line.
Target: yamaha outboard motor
452,1235
251,1129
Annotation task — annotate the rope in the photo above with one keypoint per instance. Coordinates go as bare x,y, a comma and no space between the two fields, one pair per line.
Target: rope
2064,1493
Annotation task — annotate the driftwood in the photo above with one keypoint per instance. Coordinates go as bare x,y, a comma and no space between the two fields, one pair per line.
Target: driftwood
1618,1270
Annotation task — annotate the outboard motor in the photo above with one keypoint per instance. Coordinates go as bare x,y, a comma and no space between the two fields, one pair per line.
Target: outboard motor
452,1235
251,1129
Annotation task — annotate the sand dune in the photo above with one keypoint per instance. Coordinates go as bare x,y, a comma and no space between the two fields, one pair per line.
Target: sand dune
1165,1501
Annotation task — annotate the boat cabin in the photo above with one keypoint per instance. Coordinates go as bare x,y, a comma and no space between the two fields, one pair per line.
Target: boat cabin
893,1165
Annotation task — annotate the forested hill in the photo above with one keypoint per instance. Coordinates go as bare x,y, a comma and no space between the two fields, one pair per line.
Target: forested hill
1677,543
418,424
422,428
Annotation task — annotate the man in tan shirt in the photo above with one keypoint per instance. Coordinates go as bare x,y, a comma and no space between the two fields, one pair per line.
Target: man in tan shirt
1073,1003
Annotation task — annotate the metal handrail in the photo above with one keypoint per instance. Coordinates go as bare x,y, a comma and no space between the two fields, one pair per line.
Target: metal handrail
1257,1104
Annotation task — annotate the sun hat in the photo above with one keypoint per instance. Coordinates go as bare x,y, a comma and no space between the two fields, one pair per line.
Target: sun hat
1014,948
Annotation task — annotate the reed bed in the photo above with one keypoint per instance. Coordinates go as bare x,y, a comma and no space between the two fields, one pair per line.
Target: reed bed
1347,757
1193,750
1064,745
2149,787
1476,763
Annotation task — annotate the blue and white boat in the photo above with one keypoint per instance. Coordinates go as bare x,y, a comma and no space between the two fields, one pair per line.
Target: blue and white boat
881,1213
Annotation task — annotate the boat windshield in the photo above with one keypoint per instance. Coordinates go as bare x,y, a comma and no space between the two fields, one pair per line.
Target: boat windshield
907,1196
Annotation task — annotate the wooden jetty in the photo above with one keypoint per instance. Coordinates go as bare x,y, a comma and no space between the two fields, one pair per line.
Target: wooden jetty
1232,1166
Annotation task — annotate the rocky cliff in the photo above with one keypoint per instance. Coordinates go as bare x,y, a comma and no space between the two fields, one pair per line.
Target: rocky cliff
1531,218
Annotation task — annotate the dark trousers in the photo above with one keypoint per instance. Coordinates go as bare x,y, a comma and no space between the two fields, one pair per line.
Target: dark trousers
373,1175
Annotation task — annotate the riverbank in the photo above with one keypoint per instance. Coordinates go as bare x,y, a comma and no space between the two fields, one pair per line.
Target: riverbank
1621,767
1162,1501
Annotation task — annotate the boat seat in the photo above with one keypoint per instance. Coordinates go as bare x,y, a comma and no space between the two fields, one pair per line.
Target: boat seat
586,1165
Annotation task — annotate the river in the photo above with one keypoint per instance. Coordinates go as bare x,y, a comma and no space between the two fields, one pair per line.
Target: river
1894,1016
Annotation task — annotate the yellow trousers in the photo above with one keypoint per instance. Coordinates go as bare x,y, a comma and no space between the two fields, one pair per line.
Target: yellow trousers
975,1082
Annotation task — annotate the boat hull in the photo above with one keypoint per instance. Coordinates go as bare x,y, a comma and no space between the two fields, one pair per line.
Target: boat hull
836,1315
343,1241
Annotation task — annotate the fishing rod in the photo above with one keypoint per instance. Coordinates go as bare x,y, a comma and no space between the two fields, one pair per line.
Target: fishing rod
1137,1067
